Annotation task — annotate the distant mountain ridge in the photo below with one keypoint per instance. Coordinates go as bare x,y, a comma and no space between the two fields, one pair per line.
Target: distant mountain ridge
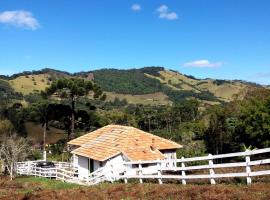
147,85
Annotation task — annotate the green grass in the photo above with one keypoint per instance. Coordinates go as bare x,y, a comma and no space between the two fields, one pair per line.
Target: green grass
28,185
157,98
45,183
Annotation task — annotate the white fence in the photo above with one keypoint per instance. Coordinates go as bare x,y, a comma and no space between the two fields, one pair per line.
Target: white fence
61,171
163,169
160,170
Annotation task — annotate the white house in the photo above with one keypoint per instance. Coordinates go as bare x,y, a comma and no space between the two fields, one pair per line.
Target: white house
114,144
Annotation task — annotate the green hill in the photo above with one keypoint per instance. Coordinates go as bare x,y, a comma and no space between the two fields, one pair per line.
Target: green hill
149,85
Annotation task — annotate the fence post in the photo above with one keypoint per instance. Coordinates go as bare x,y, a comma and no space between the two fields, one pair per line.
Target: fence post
125,175
28,167
248,169
183,171
159,173
211,170
140,172
112,172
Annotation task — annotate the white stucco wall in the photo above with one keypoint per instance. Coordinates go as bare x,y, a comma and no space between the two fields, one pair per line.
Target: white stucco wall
82,164
117,163
82,167
75,160
169,154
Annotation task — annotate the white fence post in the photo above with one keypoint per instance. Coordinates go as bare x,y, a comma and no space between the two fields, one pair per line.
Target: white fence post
28,167
159,173
125,175
211,170
183,171
112,172
248,169
140,172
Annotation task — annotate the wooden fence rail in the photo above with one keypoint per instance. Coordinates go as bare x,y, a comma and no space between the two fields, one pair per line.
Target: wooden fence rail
161,168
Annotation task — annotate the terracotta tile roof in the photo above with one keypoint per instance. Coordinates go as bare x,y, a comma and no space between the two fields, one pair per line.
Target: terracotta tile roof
112,140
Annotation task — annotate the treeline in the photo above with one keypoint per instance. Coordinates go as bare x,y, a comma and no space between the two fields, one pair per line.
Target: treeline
52,72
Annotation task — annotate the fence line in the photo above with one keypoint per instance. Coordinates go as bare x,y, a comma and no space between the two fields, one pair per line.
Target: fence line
138,169
160,170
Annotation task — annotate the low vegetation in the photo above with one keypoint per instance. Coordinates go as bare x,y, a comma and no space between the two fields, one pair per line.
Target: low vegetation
39,188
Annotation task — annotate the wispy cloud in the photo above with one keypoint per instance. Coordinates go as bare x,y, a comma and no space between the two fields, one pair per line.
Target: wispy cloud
165,13
202,63
136,7
19,18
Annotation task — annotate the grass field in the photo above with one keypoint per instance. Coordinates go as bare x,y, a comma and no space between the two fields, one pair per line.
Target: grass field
157,98
41,188
27,84
224,92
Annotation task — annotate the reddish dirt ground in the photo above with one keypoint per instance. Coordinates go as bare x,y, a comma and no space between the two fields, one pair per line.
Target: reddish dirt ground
258,191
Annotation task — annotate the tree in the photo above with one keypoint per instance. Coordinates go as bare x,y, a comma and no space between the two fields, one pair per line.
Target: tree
12,150
6,128
254,128
72,89
218,136
43,110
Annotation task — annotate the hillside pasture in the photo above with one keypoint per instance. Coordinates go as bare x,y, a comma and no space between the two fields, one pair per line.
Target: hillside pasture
30,83
225,91
157,98
35,133
178,79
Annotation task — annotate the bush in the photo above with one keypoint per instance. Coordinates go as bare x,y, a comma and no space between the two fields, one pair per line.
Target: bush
36,155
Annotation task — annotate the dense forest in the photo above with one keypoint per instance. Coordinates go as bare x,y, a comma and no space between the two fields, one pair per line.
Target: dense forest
135,81
77,106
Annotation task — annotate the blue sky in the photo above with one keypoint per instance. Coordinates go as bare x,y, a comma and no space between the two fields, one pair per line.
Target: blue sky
227,39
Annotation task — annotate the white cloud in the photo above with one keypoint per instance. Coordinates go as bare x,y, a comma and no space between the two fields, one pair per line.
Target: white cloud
202,63
163,9
136,7
19,18
164,13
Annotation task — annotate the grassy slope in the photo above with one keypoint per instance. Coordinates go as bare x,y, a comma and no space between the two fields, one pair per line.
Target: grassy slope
40,188
35,133
26,85
225,91
157,98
